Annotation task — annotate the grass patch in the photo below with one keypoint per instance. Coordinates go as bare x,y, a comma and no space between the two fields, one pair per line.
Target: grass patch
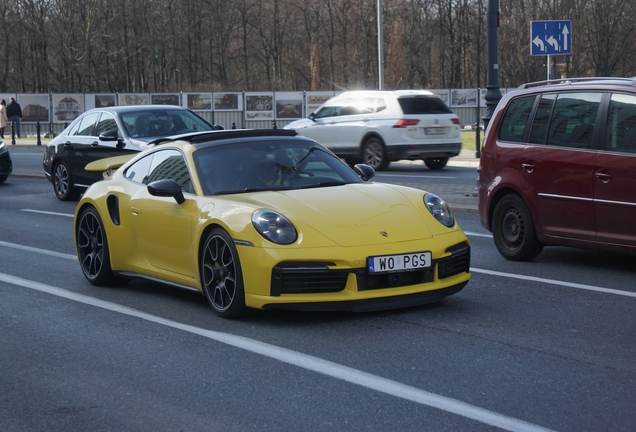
468,139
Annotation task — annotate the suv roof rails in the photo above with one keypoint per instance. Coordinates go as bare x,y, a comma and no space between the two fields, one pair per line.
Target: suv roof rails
566,81
200,137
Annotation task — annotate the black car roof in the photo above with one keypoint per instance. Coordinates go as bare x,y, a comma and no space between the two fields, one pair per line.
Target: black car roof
209,138
134,108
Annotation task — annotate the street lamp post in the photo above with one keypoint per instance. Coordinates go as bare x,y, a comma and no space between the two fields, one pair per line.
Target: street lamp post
493,94
380,49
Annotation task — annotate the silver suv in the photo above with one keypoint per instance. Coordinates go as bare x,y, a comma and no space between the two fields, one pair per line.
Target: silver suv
378,127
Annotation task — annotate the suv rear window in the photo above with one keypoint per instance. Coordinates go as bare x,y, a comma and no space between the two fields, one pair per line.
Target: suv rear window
423,105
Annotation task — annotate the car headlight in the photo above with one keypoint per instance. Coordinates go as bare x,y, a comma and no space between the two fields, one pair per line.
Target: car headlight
274,227
3,147
439,209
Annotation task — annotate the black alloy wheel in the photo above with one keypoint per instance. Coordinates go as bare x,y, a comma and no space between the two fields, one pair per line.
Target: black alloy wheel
373,154
513,230
62,183
436,163
221,275
92,249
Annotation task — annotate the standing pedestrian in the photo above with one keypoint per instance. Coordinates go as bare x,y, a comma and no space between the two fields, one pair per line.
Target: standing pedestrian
4,120
14,112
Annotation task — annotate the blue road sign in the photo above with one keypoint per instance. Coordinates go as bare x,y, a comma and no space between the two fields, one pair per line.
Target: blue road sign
551,37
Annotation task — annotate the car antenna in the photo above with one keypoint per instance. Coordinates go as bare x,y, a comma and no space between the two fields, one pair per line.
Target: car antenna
398,83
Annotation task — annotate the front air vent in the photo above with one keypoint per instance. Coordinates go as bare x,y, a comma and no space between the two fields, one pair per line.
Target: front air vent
458,262
306,278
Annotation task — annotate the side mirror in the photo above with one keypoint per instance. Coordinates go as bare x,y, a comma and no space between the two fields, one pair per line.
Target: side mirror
166,188
218,127
312,116
112,135
364,171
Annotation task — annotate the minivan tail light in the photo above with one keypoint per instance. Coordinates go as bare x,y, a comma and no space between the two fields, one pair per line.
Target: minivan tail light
456,120
406,122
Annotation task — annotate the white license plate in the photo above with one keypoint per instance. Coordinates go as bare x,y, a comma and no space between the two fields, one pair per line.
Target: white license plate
435,131
400,262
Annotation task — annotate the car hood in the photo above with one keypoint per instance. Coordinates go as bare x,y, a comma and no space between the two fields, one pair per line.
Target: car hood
350,215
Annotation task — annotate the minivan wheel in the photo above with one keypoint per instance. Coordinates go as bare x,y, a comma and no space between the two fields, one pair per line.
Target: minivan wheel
436,163
62,183
513,230
373,154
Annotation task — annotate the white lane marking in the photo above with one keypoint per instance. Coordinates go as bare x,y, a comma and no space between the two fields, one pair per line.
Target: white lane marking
472,269
474,234
301,360
37,250
47,212
556,282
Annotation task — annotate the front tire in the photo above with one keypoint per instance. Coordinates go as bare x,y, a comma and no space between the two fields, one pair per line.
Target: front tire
513,230
3,178
62,183
373,154
221,275
436,163
92,249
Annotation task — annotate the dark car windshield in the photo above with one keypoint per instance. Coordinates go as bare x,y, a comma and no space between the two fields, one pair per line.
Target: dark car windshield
269,165
161,122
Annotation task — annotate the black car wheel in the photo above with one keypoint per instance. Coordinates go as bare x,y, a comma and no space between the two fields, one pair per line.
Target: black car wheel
221,275
513,230
436,163
373,154
62,183
92,249
3,178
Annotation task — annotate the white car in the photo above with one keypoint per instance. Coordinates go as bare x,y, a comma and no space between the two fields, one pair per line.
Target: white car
377,127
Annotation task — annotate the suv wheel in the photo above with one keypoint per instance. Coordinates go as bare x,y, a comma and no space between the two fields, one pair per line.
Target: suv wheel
436,163
373,154
513,230
62,183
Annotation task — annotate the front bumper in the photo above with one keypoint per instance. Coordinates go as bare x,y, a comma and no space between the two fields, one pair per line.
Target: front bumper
6,165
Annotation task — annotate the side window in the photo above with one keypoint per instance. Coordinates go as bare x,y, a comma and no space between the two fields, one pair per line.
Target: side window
74,128
88,124
515,120
170,164
539,130
621,124
106,122
328,111
573,119
139,170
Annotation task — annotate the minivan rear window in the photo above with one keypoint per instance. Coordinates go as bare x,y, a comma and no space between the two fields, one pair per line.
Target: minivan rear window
423,105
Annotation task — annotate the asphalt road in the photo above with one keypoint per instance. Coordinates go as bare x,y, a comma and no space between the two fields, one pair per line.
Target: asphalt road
525,346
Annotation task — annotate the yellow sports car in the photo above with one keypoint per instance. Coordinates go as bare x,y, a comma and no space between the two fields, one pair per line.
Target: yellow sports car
267,219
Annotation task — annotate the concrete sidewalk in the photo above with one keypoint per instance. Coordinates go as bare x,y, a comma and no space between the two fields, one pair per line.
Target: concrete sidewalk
460,197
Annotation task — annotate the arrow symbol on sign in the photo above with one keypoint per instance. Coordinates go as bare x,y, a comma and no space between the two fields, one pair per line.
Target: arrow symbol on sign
566,32
552,41
538,42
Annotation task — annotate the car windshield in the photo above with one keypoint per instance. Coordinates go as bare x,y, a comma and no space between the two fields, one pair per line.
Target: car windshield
161,122
269,165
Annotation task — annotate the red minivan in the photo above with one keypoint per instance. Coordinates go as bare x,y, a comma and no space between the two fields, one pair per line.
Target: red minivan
558,167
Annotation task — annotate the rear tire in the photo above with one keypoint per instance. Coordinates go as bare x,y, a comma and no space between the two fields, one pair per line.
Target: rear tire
373,154
63,184
436,163
3,178
513,230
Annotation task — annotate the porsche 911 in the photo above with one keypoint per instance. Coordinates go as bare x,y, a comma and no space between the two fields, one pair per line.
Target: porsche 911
267,219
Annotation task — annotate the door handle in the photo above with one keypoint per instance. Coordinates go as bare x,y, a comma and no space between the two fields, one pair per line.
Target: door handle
94,144
67,144
135,210
528,167
604,177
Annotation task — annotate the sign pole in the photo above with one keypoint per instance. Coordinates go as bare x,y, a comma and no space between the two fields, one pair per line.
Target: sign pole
549,68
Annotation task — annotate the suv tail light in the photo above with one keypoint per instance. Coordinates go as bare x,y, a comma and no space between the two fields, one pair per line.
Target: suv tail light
406,122
456,120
